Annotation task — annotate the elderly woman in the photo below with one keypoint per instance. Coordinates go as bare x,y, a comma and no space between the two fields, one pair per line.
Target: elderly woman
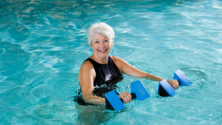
100,72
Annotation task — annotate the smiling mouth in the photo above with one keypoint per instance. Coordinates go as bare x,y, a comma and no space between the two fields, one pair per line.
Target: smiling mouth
103,51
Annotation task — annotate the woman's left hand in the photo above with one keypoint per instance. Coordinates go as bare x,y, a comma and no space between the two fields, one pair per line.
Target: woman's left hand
126,97
173,83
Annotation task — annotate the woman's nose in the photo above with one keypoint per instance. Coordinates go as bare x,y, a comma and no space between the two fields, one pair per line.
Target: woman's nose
102,44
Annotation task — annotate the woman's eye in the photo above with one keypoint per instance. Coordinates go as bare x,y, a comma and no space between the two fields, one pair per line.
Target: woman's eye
96,41
106,40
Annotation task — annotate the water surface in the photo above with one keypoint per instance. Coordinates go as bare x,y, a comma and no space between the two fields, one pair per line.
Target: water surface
43,44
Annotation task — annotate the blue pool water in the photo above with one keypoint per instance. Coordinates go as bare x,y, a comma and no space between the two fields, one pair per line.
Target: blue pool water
43,44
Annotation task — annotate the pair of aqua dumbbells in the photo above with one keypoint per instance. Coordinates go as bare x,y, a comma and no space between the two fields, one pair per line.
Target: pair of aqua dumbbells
113,102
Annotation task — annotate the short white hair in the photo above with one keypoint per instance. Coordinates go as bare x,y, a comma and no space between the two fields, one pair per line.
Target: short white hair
101,28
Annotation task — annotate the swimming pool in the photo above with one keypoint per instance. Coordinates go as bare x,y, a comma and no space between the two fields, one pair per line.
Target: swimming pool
43,43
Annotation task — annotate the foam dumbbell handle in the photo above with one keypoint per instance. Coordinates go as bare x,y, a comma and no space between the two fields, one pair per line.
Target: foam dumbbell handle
133,95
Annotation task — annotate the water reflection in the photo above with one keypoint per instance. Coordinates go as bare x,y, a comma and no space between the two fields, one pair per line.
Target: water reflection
43,43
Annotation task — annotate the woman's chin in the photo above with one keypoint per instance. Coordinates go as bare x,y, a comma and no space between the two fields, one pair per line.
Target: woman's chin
104,56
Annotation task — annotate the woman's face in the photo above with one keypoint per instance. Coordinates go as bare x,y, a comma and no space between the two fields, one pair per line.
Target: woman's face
101,45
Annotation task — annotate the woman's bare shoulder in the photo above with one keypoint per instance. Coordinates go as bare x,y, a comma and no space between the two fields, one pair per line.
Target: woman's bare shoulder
86,65
115,58
118,59
86,71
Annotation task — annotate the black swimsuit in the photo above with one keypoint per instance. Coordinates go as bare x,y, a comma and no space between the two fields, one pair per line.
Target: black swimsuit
106,73
107,76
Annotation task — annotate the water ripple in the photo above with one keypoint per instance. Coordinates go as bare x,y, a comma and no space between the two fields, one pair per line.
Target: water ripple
43,44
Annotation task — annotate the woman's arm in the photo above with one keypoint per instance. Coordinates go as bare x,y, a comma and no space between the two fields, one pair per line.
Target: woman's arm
128,69
86,79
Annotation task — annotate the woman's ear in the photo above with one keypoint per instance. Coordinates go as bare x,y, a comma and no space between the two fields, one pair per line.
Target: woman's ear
112,44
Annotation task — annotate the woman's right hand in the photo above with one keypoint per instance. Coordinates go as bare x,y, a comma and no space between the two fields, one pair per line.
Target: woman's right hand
126,97
173,83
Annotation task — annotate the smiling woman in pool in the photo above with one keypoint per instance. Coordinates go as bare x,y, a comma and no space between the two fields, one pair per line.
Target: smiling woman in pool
103,71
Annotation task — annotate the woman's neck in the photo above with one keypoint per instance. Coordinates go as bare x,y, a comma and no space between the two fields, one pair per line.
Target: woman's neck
100,60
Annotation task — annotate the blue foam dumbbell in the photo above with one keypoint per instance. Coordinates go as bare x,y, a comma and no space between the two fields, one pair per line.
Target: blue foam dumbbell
181,78
113,102
165,89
